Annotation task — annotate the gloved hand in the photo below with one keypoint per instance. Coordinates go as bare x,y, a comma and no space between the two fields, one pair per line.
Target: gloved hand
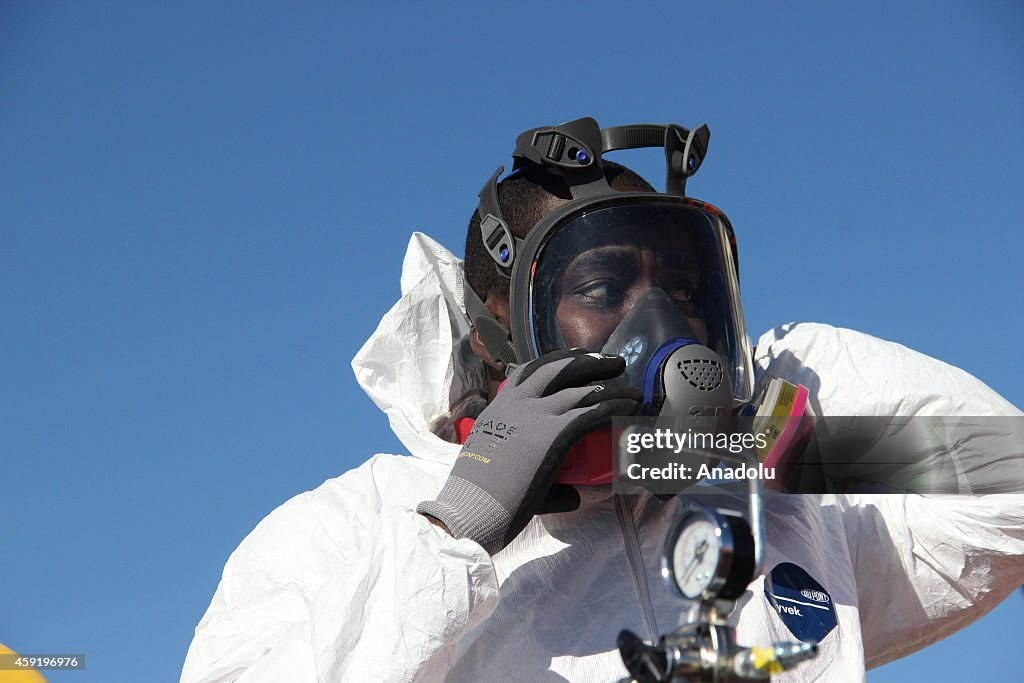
517,445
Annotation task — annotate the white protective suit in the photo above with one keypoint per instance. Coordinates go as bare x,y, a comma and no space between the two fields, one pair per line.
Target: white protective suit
348,583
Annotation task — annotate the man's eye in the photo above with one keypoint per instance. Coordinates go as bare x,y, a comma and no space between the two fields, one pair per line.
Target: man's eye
601,291
683,293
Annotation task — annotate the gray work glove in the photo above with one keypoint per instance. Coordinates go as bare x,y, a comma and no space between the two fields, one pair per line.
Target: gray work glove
517,445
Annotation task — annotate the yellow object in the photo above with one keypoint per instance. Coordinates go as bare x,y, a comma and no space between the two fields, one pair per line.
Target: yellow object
764,660
776,423
8,675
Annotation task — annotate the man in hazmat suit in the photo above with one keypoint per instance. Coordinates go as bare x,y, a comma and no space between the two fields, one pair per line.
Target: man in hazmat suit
497,552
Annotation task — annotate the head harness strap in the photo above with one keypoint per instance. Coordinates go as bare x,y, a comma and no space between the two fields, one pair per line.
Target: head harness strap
574,151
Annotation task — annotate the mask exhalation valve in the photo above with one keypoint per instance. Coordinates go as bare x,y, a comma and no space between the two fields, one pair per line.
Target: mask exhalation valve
705,374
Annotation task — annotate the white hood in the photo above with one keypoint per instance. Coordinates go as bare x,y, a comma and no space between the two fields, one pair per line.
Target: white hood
418,367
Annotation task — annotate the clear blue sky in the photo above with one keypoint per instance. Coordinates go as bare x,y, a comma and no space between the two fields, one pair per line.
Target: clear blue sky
204,207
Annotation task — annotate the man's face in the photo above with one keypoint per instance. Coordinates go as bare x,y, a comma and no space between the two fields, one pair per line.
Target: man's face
599,286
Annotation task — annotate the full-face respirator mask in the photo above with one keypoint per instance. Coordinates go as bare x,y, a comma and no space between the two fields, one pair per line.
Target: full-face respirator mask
651,277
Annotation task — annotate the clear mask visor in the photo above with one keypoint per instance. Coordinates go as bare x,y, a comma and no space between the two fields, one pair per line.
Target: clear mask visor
671,258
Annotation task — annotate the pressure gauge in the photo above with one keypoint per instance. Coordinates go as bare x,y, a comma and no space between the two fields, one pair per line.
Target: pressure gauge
708,555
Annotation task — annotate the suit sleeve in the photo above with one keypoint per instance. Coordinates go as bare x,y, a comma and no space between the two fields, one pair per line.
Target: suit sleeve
334,585
928,566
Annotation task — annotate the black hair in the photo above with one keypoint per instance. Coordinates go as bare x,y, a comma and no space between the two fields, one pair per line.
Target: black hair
523,198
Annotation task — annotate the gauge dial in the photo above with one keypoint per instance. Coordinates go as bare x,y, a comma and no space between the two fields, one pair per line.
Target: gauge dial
708,555
695,556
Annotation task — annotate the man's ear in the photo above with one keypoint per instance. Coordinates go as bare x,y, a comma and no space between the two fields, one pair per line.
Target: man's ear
497,304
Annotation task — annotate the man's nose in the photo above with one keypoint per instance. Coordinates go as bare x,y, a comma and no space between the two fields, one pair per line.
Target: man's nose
637,290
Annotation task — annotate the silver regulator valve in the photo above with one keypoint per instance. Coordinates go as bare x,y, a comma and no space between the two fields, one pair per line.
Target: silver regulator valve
709,558
707,651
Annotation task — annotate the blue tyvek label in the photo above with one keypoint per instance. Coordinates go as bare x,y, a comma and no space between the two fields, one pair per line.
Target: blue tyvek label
802,603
